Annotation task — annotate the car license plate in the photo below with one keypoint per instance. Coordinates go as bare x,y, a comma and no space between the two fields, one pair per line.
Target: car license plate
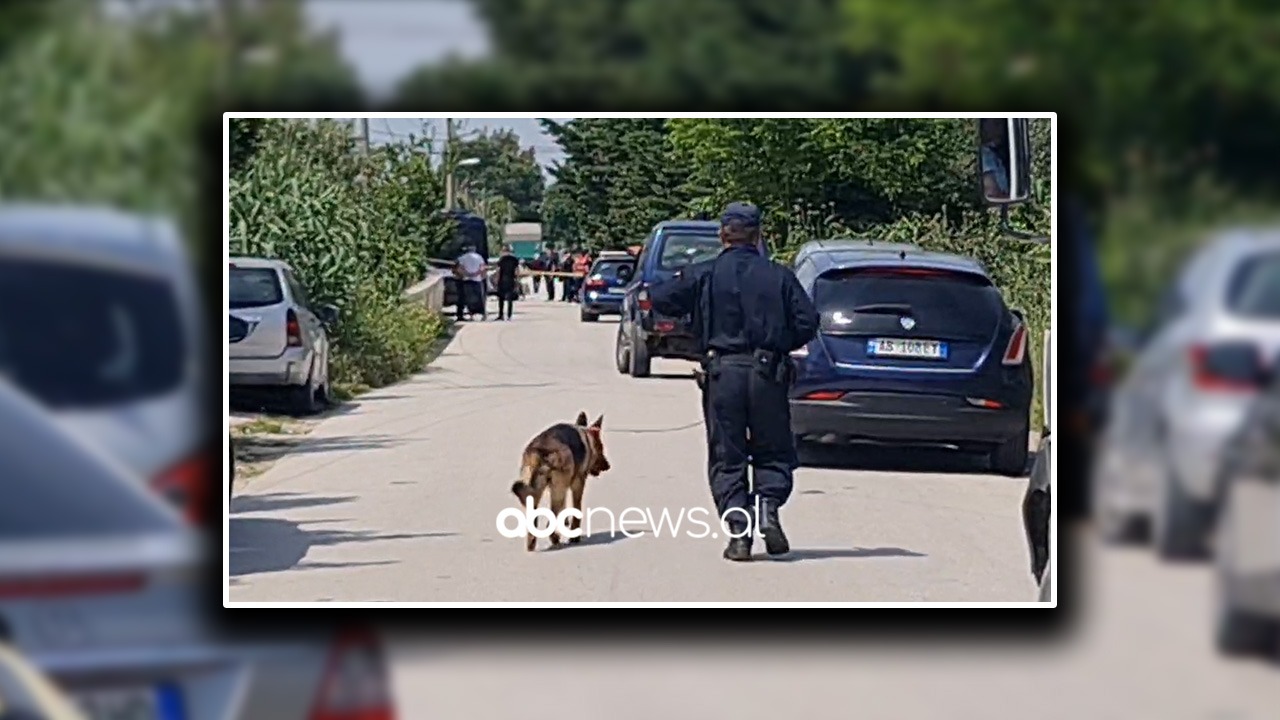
617,291
897,347
138,703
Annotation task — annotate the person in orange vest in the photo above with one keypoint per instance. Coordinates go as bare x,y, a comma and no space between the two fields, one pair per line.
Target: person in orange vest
581,266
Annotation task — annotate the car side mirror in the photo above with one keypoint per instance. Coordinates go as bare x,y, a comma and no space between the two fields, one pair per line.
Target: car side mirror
328,314
1004,160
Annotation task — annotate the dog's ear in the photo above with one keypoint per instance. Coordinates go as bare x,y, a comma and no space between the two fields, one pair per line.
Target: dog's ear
582,418
599,423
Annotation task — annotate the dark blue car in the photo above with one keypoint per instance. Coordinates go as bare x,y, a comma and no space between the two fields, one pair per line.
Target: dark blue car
913,347
605,285
643,334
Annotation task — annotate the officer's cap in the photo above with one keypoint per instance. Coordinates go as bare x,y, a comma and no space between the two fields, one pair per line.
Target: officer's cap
742,214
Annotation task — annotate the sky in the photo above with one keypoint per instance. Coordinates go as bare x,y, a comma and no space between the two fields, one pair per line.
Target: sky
385,40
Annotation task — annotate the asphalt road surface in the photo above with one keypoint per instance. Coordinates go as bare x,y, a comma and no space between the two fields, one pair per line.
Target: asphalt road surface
1142,649
396,498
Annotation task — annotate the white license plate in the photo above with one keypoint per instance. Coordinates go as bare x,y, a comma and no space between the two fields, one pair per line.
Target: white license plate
897,347
138,703
617,291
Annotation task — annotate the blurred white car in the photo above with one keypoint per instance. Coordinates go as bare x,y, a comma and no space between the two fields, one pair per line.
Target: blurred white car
277,339
102,588
99,321
1188,390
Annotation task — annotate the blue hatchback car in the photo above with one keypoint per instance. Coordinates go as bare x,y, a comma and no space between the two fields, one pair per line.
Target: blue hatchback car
913,347
642,333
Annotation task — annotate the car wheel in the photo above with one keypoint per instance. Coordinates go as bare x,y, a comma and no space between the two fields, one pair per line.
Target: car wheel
621,355
1237,632
1177,532
1010,457
639,356
305,399
585,316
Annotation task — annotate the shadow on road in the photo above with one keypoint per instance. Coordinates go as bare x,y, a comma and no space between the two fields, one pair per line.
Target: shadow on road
283,501
266,448
607,538
261,545
842,553
672,376
891,459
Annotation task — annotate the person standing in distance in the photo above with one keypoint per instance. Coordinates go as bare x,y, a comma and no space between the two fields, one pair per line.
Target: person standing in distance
470,271
551,264
508,282
749,314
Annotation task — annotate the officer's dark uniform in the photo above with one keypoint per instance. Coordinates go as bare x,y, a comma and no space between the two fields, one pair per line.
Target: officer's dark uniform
749,314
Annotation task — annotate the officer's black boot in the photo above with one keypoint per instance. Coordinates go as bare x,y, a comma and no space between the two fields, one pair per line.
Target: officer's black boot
739,548
775,540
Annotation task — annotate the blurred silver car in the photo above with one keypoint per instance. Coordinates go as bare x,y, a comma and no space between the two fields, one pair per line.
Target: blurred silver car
277,339
1247,547
1188,390
101,587
100,324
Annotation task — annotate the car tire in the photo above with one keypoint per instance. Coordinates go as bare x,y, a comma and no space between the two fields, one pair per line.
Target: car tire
306,399
585,316
638,356
1241,633
621,355
1010,457
1177,531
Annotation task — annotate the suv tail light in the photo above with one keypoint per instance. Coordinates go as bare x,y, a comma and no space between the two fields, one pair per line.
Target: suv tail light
70,586
824,395
1226,367
355,684
293,331
642,300
1016,352
187,486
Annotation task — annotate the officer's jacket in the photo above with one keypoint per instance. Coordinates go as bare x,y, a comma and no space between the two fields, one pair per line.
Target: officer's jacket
740,302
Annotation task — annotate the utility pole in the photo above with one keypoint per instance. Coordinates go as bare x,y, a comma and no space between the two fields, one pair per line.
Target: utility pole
364,134
448,164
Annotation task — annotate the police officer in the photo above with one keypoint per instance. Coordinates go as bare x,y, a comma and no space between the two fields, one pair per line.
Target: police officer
749,314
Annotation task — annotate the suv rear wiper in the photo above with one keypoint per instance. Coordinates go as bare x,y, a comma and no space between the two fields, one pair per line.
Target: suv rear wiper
883,308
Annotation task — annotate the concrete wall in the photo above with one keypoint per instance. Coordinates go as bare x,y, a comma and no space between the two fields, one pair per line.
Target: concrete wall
430,292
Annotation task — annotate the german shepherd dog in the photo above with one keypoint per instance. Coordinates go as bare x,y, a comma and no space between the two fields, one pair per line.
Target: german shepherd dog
561,458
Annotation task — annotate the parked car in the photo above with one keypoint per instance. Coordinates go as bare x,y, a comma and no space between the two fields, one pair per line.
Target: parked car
109,339
642,334
102,588
1187,391
277,339
912,347
1247,547
605,285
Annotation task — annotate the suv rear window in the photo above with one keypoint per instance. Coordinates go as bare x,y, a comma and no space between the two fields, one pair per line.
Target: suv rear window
91,337
608,269
681,249
1254,291
943,304
254,287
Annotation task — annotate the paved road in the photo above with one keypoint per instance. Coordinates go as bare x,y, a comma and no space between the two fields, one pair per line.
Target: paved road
396,498
1142,650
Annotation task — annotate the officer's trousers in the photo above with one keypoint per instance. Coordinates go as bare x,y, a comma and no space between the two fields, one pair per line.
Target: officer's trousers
747,416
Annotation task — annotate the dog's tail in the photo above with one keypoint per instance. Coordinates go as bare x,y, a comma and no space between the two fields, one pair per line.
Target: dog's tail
533,470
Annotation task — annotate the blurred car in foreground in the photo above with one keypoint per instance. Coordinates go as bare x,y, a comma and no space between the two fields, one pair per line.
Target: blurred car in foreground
101,587
1247,541
642,333
277,339
100,325
913,347
1187,391
605,284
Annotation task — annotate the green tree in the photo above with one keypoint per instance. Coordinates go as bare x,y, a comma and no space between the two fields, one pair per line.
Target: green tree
506,171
